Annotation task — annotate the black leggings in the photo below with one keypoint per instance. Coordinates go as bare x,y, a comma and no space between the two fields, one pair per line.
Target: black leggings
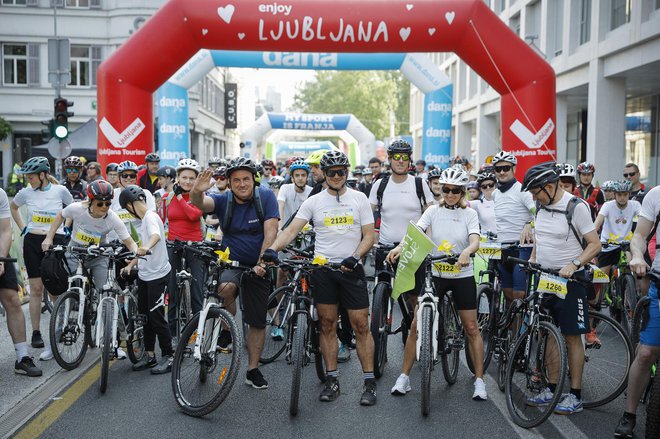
149,293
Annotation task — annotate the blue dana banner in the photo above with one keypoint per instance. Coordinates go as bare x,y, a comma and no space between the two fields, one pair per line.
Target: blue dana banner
297,121
173,137
308,60
436,141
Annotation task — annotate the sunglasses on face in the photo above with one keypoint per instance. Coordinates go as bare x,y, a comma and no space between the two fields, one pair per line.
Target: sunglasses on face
398,156
339,172
631,174
505,168
103,203
221,178
71,170
487,186
127,176
455,191
268,169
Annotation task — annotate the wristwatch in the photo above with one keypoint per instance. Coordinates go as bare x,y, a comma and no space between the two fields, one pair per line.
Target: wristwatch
576,262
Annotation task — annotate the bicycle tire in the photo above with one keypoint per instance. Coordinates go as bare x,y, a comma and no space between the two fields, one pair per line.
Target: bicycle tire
426,358
319,365
298,347
276,320
614,354
451,330
135,333
629,300
653,410
90,320
533,366
640,318
48,305
69,334
106,347
379,326
487,323
186,370
184,311
503,361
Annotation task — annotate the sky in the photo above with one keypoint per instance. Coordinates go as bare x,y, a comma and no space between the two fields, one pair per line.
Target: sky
284,80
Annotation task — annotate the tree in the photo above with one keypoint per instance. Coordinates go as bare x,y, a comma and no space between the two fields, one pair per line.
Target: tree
5,128
368,95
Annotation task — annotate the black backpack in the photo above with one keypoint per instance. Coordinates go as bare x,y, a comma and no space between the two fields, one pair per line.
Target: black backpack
55,273
229,210
418,187
570,209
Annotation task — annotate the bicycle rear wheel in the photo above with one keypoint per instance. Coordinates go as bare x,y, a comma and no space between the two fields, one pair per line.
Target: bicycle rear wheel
653,410
452,336
380,326
107,351
68,340
487,316
503,358
426,357
640,319
277,325
319,365
528,372
629,296
298,347
201,385
135,331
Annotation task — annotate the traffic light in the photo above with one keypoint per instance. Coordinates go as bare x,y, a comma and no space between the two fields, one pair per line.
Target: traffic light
47,133
61,120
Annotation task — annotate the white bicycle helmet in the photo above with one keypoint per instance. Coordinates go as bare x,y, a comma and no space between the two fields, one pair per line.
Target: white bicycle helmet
454,176
566,170
504,156
188,164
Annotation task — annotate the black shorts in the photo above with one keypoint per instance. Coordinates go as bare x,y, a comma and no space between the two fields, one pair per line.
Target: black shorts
571,314
254,292
463,289
346,288
33,254
8,280
606,259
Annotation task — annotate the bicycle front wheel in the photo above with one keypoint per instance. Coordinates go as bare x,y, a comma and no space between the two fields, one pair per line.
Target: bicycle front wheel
629,296
298,347
319,365
426,357
452,335
277,325
68,340
135,331
380,326
106,346
640,319
184,309
538,354
201,384
606,361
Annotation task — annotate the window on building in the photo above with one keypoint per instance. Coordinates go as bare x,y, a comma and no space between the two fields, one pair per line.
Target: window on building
641,135
81,66
77,3
14,63
585,21
555,27
514,24
620,13
14,2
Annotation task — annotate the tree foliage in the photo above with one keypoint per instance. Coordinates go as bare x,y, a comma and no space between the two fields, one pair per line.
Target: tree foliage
368,95
5,128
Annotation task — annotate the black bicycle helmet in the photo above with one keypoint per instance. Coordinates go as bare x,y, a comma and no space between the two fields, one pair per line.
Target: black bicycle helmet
152,157
333,158
241,163
486,176
131,194
112,167
166,171
35,165
100,190
399,146
540,175
72,162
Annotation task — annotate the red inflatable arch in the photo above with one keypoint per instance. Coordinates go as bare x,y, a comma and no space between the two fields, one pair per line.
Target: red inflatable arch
127,79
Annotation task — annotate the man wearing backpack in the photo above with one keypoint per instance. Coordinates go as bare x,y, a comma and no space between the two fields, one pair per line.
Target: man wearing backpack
249,218
588,192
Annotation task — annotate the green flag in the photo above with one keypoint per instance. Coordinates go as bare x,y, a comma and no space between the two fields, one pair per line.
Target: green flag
416,246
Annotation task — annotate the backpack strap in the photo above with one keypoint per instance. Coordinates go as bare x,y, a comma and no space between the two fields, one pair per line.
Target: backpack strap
381,190
649,237
258,206
229,213
420,192
568,213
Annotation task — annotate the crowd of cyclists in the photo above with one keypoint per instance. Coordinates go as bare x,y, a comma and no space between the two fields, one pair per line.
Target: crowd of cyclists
556,217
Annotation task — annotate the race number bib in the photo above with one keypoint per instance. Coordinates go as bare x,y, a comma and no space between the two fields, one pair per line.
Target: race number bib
599,276
210,234
125,216
551,284
87,237
339,219
490,250
447,270
43,217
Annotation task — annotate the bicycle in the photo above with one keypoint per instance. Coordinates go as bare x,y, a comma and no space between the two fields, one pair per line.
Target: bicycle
181,296
202,373
621,294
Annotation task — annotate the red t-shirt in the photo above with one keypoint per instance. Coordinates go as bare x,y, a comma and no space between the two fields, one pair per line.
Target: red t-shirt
183,219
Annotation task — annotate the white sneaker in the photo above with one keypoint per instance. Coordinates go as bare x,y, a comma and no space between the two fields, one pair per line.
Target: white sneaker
46,354
479,390
402,385
121,354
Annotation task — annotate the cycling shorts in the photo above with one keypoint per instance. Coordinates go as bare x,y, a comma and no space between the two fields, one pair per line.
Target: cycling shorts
511,275
464,291
346,288
650,335
9,280
570,314
254,292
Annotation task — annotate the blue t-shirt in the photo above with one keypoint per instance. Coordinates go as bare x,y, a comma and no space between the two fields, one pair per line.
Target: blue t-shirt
246,234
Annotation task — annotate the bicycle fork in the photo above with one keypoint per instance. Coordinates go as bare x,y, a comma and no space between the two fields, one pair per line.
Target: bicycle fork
115,315
197,351
428,300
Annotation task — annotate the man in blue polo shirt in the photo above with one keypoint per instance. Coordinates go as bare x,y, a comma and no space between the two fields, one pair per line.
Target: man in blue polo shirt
249,217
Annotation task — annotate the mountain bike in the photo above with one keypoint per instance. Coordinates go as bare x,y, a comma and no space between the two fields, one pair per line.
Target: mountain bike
621,294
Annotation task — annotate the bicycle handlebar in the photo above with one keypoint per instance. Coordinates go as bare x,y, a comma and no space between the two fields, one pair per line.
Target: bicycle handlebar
8,259
583,276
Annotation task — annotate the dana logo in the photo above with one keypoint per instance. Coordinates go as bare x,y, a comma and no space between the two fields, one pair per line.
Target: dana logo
177,104
172,155
438,107
177,130
433,158
443,135
293,59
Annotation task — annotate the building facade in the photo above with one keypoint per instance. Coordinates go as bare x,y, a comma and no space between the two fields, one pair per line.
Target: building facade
606,54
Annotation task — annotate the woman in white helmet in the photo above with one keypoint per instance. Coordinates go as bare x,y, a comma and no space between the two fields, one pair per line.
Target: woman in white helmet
455,228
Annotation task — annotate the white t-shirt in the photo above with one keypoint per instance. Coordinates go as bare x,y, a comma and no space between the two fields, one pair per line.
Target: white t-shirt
4,205
400,206
650,210
43,206
157,264
338,225
125,216
512,212
292,199
618,223
486,211
556,245
88,230
451,229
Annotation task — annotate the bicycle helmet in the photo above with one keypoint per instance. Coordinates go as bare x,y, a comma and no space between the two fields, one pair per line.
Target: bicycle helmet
100,190
586,168
166,171
127,165
35,165
112,167
434,173
473,185
455,176
486,176
267,163
315,157
299,164
485,168
188,164
608,185
72,162
241,163
220,172
275,182
152,157
357,171
539,175
565,170
366,171
333,158
621,186
505,156
130,194
399,146
215,161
